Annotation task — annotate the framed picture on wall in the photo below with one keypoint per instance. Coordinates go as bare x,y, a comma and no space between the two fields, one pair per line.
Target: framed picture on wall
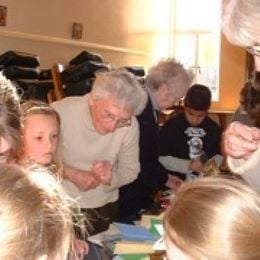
77,30
3,15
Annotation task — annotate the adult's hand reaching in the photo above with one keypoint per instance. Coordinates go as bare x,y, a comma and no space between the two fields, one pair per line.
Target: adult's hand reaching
173,182
196,165
241,140
81,249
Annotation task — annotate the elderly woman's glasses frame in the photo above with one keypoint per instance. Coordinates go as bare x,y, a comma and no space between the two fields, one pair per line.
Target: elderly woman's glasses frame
108,117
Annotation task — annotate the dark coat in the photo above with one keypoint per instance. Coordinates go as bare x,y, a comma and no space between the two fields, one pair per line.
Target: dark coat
138,195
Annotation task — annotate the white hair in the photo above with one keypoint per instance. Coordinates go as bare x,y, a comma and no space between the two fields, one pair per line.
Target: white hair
173,74
123,87
241,22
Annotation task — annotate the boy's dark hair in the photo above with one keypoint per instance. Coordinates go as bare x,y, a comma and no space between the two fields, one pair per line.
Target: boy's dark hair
198,97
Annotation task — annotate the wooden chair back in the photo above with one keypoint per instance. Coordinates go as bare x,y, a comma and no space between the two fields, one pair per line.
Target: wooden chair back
58,92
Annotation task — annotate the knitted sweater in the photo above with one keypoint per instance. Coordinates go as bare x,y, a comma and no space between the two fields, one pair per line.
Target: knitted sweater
81,145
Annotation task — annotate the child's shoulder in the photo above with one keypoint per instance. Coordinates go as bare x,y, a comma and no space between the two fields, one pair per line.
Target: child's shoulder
175,122
176,118
211,123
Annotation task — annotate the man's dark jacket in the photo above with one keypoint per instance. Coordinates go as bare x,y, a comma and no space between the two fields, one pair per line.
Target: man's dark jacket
138,194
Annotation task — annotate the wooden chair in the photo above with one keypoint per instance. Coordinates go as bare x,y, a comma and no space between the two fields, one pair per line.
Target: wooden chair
58,92
50,96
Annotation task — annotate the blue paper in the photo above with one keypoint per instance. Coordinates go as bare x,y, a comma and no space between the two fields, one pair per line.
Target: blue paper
134,233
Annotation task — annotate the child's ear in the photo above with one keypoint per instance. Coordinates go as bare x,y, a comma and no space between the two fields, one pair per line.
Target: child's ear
90,99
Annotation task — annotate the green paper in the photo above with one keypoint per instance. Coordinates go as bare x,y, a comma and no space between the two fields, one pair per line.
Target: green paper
152,228
135,257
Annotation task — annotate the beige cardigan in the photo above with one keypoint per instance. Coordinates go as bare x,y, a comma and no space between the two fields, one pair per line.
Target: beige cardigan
81,145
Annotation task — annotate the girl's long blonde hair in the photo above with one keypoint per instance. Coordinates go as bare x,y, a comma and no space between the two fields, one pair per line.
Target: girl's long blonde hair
215,218
10,124
35,215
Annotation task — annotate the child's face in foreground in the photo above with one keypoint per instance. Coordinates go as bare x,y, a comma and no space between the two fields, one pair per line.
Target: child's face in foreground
40,140
194,117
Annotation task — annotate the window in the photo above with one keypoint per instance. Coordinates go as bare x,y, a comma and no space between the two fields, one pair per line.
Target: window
196,39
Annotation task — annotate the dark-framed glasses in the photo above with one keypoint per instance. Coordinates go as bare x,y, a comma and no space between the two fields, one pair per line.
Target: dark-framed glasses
124,123
254,50
108,117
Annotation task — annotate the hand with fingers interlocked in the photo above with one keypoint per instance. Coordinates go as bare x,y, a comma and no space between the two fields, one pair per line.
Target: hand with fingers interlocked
99,174
241,140
102,171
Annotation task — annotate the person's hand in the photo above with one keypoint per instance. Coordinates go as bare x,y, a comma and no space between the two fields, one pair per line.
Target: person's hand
173,182
102,171
84,180
196,166
80,249
241,140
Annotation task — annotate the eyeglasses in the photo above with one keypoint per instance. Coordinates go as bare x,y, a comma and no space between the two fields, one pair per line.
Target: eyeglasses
254,50
108,117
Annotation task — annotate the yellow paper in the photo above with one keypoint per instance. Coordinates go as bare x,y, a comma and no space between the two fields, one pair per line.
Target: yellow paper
126,247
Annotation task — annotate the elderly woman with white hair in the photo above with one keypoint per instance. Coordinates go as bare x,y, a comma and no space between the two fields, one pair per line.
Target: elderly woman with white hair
100,144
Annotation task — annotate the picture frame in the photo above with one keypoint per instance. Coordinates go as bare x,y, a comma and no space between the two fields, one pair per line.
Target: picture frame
3,15
77,31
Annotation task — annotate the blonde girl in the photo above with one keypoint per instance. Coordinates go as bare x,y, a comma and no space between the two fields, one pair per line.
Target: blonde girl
35,216
40,136
213,218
